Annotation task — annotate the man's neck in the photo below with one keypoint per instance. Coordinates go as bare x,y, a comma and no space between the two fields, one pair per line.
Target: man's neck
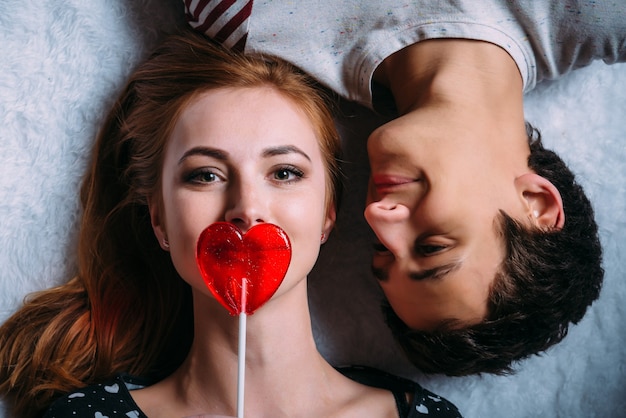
461,90
461,72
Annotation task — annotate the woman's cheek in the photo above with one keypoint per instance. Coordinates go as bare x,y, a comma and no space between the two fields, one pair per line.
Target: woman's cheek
183,252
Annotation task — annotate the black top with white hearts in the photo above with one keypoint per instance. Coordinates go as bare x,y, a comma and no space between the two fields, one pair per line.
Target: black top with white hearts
105,400
113,399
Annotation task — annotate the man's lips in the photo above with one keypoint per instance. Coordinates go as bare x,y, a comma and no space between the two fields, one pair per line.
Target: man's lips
384,182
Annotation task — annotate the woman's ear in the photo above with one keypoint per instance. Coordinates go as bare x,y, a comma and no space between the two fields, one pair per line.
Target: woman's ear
329,223
157,224
542,199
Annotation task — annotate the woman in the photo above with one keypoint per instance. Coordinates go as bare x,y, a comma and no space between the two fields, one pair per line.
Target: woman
199,135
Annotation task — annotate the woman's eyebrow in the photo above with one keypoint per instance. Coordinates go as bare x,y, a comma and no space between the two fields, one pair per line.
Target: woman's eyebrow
284,149
205,151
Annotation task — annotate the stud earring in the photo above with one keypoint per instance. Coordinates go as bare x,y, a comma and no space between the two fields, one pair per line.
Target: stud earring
323,238
166,244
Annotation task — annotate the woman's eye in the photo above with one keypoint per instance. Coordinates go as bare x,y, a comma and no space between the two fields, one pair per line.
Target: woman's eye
202,176
287,174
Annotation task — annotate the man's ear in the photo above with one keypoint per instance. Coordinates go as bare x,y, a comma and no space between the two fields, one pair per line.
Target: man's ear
158,225
542,199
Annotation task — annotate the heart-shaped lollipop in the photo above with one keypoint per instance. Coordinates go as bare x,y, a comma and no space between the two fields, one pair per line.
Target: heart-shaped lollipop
243,271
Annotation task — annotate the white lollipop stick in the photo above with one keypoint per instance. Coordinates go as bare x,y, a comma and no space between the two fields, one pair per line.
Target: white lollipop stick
241,376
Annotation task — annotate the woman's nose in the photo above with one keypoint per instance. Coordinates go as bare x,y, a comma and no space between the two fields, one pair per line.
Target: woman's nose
246,207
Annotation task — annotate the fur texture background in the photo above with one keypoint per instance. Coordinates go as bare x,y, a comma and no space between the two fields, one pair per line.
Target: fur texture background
62,63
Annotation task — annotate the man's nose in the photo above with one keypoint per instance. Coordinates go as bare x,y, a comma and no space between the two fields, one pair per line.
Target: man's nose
386,212
247,206
390,223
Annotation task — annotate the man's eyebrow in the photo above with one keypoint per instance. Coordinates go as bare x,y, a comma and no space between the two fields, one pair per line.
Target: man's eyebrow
435,273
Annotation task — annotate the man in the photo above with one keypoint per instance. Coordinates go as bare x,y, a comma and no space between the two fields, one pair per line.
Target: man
488,247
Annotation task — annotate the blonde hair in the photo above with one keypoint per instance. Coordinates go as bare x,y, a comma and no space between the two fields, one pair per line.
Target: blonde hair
128,310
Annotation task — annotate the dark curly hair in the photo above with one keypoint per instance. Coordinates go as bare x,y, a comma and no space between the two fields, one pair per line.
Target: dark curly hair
545,283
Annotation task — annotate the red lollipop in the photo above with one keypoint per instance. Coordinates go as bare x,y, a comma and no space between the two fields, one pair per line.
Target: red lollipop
243,271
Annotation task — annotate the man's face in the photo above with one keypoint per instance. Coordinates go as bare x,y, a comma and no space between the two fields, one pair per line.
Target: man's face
435,191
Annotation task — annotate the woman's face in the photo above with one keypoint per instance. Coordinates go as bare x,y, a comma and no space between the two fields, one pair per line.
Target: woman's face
245,156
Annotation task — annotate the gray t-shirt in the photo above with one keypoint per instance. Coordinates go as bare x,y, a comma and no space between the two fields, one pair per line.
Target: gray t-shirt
341,43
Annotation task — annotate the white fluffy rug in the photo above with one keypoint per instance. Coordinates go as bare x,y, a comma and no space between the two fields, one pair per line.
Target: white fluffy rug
61,64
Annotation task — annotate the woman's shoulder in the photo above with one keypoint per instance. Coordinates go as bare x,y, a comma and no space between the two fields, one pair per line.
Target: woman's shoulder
107,399
412,399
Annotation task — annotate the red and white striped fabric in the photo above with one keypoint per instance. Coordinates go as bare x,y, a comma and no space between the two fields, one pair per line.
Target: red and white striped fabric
226,21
